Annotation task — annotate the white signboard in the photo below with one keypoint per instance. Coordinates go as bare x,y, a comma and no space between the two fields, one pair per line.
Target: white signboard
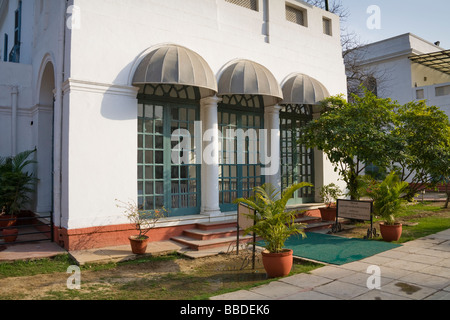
357,210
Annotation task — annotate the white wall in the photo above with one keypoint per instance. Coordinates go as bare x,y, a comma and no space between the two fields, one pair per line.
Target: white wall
15,75
98,147
101,111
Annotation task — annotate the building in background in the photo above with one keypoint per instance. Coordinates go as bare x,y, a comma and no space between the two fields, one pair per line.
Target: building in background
99,87
407,68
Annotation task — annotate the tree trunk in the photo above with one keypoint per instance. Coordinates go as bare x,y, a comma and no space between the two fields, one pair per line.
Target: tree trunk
447,190
353,184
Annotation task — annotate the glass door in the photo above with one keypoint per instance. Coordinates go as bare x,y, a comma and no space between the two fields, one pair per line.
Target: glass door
297,161
240,167
162,181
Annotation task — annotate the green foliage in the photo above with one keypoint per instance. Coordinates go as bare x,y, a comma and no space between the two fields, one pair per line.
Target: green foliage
353,134
273,222
387,197
330,193
16,184
423,135
412,139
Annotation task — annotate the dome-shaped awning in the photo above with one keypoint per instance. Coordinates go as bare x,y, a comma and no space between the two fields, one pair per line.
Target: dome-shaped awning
302,89
244,77
176,65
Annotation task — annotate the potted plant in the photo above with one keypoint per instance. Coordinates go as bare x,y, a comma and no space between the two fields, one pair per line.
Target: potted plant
16,186
388,202
274,224
329,195
143,221
10,234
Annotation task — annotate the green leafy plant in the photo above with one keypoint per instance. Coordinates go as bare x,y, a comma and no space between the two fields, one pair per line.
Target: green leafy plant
273,223
387,197
16,184
353,135
330,193
142,220
423,138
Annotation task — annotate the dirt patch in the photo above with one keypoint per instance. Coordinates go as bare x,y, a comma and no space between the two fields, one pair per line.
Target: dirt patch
167,279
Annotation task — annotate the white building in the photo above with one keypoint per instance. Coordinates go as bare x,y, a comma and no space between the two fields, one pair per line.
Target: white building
409,68
98,87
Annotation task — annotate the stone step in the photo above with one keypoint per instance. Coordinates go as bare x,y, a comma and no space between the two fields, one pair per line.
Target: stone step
307,220
201,234
199,245
216,225
207,236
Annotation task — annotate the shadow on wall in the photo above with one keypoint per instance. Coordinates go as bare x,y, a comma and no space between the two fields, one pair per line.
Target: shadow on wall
120,101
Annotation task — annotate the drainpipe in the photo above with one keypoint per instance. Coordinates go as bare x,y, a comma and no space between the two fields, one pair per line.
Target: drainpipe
14,108
58,110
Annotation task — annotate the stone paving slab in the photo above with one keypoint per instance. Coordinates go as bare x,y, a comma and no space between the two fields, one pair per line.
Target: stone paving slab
341,290
31,251
122,253
306,281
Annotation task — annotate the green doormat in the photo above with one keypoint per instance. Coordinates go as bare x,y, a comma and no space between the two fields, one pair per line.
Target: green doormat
336,250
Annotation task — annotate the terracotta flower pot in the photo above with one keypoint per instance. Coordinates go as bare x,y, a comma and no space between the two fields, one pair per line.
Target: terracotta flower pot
10,235
391,233
278,264
139,245
7,221
328,214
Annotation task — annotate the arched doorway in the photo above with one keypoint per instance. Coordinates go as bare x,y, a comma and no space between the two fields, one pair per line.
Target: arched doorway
43,135
247,90
302,95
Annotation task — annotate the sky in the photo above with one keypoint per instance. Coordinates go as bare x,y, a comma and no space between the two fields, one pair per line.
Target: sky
429,19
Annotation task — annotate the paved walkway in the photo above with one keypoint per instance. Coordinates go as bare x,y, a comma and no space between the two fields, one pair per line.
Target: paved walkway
419,270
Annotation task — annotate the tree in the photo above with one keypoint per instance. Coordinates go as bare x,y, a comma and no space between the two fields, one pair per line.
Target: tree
423,136
353,134
412,139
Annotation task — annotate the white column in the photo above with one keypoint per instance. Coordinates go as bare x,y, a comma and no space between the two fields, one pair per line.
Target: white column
14,110
272,125
210,157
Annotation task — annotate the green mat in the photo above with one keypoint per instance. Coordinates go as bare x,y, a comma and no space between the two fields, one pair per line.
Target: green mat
336,250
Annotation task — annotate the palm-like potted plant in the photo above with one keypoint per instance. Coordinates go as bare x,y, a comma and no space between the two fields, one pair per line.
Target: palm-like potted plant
388,202
274,224
143,221
16,187
329,195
